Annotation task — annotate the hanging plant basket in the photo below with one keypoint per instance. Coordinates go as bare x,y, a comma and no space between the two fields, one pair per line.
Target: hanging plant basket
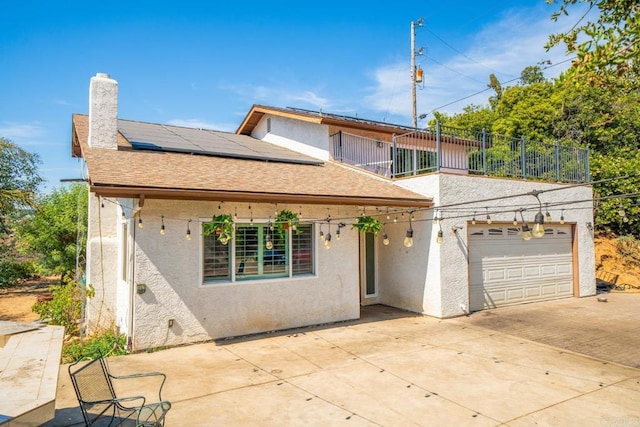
286,220
367,224
221,226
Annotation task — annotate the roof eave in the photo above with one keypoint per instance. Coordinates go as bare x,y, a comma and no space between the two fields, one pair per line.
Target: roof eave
253,197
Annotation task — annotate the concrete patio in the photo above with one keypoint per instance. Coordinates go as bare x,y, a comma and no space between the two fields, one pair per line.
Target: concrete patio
393,368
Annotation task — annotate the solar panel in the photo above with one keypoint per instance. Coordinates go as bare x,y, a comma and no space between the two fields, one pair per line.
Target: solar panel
157,137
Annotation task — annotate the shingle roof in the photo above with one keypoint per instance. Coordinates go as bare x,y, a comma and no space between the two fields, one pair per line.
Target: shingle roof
126,172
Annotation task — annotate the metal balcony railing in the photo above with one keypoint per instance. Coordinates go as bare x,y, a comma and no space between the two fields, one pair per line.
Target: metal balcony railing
456,150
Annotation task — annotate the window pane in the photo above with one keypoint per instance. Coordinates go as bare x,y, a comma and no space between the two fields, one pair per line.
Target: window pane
215,259
302,245
254,259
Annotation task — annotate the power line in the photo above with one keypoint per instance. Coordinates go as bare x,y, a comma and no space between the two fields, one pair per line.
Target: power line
508,81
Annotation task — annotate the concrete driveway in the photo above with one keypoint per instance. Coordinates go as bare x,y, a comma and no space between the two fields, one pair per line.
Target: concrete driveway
391,368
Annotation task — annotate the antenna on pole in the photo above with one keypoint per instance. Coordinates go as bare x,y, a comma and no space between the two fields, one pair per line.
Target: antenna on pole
416,73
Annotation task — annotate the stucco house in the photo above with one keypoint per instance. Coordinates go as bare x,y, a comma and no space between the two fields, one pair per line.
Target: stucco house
162,281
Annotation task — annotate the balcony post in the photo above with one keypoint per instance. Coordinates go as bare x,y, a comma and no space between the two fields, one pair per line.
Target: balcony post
522,158
438,147
393,156
484,152
557,162
587,168
340,144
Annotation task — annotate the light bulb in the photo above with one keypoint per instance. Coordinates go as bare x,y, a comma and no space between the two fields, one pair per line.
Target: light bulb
395,219
526,235
269,243
338,234
408,239
473,221
321,235
140,223
188,236
327,241
538,227
562,219
224,240
440,237
385,239
489,219
162,229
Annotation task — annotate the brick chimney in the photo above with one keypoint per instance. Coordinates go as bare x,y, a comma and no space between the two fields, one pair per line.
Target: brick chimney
103,112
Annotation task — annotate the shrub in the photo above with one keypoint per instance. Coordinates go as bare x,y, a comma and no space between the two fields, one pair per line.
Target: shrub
65,307
107,343
11,273
629,249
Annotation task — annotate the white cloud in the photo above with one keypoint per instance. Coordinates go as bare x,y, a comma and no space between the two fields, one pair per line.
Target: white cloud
503,48
280,96
24,134
201,124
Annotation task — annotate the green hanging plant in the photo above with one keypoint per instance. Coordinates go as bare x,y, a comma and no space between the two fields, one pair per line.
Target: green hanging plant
367,224
221,226
286,220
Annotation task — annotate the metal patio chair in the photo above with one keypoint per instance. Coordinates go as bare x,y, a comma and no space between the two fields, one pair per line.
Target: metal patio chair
101,406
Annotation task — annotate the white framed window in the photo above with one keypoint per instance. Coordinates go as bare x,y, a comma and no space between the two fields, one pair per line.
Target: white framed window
259,251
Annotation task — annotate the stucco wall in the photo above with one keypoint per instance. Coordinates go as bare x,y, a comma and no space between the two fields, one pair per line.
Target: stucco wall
102,258
308,138
169,266
448,189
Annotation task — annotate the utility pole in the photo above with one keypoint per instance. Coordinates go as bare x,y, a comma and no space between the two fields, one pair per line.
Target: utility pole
414,79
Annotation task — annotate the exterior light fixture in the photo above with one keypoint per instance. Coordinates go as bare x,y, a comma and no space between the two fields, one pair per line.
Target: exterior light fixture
562,216
385,239
538,227
188,235
547,214
327,241
408,239
526,231
162,226
488,217
268,243
589,226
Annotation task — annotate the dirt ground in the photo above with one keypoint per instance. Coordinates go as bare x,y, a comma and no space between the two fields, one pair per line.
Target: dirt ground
16,303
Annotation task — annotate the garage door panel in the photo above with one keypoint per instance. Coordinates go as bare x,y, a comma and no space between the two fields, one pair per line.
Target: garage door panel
506,270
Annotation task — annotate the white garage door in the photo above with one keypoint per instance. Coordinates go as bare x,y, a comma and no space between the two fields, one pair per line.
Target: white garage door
505,270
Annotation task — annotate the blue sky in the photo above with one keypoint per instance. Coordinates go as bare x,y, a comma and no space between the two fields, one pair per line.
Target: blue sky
204,63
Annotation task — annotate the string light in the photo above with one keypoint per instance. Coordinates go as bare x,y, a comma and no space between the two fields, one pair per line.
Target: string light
188,235
473,220
101,202
547,214
276,210
488,216
538,227
321,233
408,239
162,230
269,243
562,216
327,239
440,237
219,205
526,232
515,218
124,218
140,225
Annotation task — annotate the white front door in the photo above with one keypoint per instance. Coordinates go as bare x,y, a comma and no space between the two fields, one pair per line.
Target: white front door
506,270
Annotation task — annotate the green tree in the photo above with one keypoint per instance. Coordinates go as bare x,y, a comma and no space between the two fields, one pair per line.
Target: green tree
57,231
607,46
19,181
